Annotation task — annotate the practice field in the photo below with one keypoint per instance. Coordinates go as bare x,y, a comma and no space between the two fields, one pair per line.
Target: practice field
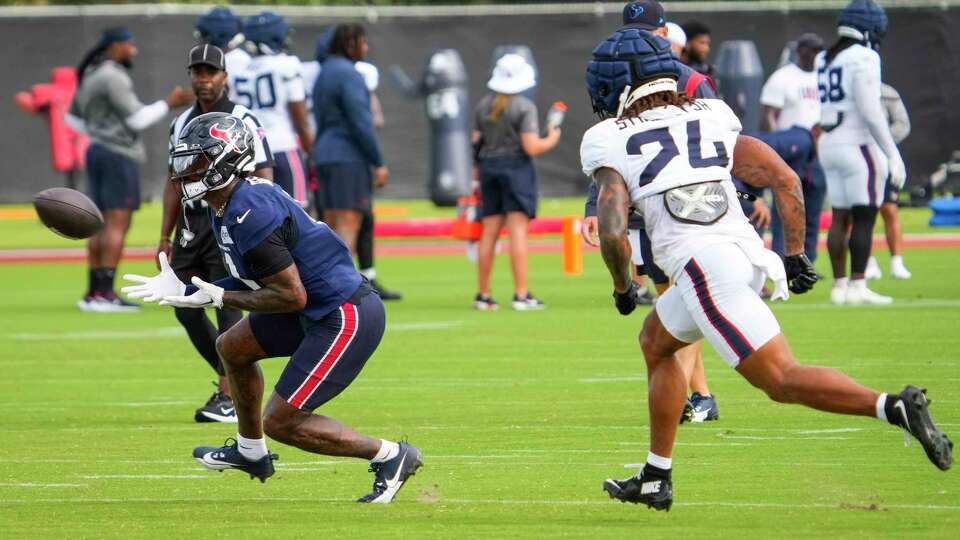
520,417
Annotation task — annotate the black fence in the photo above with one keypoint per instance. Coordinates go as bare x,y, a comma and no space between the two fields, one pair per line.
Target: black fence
920,60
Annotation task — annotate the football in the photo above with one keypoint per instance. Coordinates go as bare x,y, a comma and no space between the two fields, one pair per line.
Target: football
68,212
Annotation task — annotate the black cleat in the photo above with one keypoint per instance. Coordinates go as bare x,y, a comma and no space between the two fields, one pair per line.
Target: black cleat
392,474
228,457
219,408
704,408
913,408
656,493
385,294
687,414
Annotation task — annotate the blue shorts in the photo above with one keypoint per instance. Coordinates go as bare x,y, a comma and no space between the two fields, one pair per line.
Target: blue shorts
346,186
508,185
290,173
114,179
649,268
326,355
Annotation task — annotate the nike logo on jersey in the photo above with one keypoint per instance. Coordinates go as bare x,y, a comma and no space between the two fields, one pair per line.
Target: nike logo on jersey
243,217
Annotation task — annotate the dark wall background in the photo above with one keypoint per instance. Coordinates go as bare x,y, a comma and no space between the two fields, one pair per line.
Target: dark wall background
919,60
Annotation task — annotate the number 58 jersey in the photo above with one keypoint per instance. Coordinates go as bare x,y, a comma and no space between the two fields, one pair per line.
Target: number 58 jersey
840,115
666,148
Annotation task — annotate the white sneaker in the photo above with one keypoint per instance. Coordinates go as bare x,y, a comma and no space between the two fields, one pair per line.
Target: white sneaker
873,269
858,293
838,294
898,270
530,303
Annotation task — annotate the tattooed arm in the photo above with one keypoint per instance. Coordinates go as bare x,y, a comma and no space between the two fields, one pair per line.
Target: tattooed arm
613,207
282,292
758,165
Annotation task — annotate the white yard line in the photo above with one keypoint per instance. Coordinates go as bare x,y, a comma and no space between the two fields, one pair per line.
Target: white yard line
847,505
145,476
39,485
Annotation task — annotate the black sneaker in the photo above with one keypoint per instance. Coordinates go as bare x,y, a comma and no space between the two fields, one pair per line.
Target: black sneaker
656,493
645,297
385,294
219,408
485,302
914,410
228,457
704,408
687,414
392,474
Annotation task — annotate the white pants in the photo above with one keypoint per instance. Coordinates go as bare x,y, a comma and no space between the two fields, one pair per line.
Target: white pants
716,296
856,175
636,256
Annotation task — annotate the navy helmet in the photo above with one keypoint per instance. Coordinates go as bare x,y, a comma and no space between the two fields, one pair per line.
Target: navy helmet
322,49
864,21
219,27
628,65
214,149
267,31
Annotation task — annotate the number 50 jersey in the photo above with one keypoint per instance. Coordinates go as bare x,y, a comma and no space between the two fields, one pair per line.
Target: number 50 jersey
268,84
666,148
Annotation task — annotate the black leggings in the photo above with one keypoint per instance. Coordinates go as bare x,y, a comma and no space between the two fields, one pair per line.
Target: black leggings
861,237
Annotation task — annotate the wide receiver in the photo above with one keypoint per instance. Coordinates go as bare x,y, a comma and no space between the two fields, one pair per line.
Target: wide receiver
306,301
669,157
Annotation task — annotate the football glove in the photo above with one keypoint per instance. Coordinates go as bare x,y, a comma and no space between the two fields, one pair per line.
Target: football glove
151,289
801,275
207,295
626,302
898,171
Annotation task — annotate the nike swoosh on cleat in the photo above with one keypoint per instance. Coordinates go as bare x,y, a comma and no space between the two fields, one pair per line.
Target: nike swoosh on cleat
396,476
903,412
227,410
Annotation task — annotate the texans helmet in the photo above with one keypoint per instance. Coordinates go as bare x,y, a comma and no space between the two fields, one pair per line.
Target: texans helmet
864,21
212,151
627,66
267,32
219,27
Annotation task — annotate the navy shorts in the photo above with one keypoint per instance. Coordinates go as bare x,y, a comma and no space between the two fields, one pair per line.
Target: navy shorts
325,355
508,185
346,186
290,173
114,179
649,268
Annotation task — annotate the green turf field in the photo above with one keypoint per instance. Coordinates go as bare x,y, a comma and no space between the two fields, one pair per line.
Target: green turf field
520,417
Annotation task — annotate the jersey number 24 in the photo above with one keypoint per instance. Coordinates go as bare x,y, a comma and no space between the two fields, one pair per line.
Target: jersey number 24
669,150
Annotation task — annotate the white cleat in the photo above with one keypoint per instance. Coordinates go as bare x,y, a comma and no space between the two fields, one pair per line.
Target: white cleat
858,294
838,294
899,271
873,269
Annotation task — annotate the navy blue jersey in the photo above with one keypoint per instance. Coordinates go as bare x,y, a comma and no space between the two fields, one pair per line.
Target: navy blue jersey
255,210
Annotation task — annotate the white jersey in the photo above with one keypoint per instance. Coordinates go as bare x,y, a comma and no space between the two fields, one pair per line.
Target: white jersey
267,85
670,147
261,150
794,92
235,61
840,115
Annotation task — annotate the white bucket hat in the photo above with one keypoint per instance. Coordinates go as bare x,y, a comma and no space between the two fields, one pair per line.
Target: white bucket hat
512,75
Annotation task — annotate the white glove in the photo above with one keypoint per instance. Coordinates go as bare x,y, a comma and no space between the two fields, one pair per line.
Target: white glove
898,171
154,288
207,295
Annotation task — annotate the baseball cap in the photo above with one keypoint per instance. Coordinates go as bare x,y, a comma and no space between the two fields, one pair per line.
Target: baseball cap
207,54
643,14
